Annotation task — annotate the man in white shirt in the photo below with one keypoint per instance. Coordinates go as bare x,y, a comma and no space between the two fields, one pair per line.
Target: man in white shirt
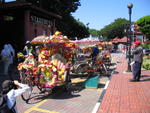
13,89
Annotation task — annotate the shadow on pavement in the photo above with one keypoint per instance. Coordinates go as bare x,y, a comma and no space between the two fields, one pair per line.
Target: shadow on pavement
144,80
101,85
57,93
115,72
145,76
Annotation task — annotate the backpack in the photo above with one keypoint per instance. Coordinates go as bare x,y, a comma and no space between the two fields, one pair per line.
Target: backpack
3,105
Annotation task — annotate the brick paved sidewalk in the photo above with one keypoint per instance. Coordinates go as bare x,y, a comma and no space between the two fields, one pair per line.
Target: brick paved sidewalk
123,96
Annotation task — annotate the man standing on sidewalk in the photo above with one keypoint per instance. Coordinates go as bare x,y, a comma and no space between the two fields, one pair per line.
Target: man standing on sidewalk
137,59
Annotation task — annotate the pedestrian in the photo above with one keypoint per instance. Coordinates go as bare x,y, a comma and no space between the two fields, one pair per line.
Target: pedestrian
11,66
12,89
137,61
12,51
7,58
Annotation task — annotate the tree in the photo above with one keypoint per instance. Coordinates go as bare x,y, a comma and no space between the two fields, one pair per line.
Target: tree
94,32
115,29
73,28
144,25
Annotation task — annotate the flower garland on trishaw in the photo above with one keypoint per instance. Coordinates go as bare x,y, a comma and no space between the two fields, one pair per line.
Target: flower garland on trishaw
54,56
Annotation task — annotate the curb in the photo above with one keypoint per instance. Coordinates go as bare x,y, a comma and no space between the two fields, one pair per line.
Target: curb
100,98
96,107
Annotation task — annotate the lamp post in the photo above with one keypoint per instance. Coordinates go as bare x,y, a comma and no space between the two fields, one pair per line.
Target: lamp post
130,37
126,34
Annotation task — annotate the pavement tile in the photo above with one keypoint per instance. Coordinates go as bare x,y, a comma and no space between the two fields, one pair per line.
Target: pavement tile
123,96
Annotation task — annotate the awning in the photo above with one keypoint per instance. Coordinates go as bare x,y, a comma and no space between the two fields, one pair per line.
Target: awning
124,39
115,40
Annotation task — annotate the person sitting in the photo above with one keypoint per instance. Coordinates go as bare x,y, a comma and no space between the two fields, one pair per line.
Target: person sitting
95,52
27,47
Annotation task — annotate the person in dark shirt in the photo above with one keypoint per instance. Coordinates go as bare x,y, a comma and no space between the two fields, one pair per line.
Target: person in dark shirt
95,52
137,59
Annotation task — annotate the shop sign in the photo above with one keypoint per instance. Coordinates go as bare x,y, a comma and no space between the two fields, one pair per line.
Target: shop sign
41,21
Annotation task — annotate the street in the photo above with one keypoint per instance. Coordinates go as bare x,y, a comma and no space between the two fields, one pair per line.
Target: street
78,100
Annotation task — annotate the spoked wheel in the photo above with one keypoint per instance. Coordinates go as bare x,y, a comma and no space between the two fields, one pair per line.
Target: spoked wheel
67,85
42,88
24,79
82,68
27,95
104,71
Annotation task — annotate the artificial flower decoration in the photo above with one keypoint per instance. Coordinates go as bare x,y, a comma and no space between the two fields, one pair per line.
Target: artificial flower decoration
50,71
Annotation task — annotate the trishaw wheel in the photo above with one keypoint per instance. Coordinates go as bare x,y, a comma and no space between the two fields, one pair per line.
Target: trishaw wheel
67,84
26,95
82,68
24,79
40,87
43,89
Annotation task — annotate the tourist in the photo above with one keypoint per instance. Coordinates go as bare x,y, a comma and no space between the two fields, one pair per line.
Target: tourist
137,61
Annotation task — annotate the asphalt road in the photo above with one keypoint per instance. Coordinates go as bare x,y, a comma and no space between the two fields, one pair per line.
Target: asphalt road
79,99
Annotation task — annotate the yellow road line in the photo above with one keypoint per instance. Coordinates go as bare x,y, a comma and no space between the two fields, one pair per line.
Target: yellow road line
40,103
35,108
44,110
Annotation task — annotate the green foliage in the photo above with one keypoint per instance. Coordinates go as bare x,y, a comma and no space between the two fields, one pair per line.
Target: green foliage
146,45
115,29
94,32
146,64
144,25
73,28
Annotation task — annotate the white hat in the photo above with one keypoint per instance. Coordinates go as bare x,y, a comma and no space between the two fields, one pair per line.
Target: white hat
27,42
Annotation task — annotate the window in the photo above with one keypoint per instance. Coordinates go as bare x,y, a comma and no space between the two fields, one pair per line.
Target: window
8,18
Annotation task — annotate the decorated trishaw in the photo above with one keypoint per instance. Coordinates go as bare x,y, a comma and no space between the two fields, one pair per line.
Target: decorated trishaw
49,64
84,64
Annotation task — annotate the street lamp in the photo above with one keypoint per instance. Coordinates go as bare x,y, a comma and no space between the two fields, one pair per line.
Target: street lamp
130,37
126,30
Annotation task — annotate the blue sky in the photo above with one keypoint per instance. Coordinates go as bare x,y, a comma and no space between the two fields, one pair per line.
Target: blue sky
99,13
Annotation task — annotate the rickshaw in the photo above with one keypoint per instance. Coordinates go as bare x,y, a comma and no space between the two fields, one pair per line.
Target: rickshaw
50,66
85,66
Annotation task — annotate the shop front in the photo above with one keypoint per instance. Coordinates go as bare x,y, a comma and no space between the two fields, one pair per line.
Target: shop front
21,21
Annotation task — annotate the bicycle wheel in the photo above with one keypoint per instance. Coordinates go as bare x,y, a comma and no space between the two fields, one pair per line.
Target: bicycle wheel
26,95
67,85
38,85
40,88
24,79
104,71
82,68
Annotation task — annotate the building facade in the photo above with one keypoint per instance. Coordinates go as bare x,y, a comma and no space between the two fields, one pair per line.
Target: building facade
21,21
